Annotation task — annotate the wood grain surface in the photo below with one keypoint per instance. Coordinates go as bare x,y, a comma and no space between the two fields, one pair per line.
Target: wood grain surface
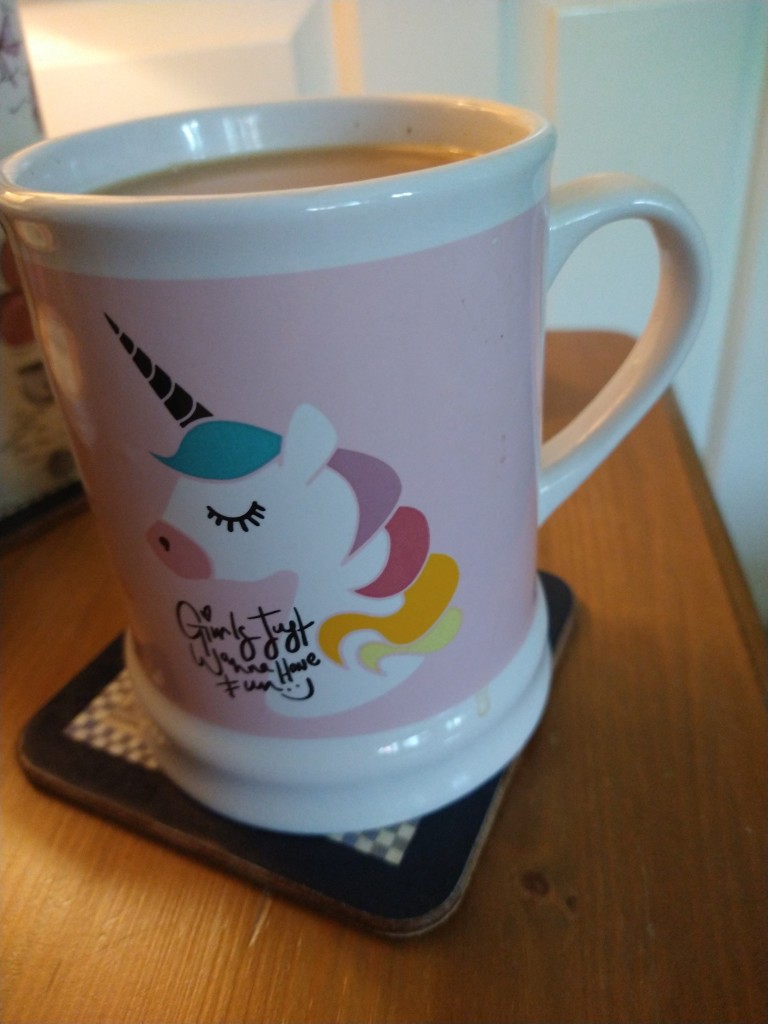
625,877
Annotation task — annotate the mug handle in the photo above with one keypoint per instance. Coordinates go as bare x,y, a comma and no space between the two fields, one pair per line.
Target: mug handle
578,209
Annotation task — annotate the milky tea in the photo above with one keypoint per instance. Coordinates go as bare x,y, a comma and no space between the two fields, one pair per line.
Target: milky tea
299,168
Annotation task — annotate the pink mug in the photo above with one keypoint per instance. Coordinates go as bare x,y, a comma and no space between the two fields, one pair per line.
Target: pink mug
308,421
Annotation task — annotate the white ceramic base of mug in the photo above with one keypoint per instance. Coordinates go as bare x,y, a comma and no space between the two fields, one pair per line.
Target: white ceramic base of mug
352,783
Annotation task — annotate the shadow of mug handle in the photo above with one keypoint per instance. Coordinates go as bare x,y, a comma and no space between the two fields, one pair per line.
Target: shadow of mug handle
577,210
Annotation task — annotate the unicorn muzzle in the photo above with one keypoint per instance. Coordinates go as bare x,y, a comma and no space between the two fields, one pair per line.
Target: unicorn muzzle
182,555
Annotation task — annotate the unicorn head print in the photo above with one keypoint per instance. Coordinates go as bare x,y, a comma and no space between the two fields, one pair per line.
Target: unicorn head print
248,504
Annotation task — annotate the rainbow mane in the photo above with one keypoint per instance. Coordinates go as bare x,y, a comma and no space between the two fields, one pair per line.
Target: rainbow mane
425,622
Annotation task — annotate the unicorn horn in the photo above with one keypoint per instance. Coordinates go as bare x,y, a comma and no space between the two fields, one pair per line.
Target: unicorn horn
179,403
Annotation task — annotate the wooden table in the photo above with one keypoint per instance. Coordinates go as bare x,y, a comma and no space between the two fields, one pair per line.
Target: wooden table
624,879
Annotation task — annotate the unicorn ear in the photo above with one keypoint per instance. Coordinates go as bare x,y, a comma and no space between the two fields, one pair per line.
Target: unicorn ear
309,442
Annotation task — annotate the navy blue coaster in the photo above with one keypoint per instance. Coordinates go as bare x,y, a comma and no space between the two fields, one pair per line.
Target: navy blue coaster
85,745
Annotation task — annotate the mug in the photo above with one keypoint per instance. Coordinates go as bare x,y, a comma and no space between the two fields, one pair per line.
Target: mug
308,420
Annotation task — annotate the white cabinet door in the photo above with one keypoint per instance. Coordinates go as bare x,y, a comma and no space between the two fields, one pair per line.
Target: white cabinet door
668,89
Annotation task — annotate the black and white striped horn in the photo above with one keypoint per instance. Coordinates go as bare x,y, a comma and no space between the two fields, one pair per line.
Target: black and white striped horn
179,403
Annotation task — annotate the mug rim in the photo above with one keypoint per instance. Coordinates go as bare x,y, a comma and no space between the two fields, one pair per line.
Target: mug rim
26,176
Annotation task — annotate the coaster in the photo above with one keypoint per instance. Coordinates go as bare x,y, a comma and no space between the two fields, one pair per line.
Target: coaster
85,745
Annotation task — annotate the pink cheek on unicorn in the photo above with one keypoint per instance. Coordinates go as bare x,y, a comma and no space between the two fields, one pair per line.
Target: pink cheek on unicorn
179,552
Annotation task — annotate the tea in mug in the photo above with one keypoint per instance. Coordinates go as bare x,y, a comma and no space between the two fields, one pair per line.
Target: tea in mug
285,169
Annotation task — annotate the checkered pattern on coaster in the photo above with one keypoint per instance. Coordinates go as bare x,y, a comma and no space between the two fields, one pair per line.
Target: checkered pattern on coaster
110,723
388,844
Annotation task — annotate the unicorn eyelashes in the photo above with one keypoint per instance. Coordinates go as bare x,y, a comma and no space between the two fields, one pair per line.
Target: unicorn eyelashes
254,515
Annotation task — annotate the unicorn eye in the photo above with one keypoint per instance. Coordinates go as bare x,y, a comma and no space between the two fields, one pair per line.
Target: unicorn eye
254,515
